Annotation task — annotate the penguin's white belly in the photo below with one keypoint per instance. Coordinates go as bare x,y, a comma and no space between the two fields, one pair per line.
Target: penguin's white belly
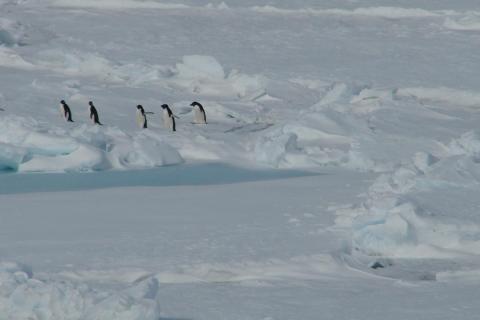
167,121
199,117
140,120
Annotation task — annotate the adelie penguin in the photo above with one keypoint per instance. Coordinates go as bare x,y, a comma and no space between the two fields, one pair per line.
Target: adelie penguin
199,113
141,117
93,114
168,118
65,110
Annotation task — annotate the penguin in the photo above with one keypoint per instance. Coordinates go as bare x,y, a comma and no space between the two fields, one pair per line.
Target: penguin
168,118
200,116
66,113
141,117
94,114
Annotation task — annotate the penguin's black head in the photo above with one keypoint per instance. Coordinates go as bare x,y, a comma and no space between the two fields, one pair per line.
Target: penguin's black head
164,106
194,103
90,103
139,107
63,102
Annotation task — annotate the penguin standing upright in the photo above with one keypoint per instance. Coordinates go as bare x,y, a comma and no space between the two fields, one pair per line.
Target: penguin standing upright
141,117
65,110
94,114
168,118
199,112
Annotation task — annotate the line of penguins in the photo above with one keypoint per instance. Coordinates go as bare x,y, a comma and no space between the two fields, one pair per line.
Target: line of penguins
141,115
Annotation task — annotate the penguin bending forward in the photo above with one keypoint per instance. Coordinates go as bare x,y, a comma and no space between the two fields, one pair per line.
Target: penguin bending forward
141,117
94,114
168,118
199,112
65,110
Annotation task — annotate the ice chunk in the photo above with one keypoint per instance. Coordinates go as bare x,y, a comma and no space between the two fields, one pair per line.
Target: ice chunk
11,157
273,147
28,147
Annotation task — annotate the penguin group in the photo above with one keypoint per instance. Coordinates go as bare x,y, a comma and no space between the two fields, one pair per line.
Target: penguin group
141,115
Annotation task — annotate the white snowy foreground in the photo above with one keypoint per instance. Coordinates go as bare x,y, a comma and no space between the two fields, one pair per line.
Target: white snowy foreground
337,178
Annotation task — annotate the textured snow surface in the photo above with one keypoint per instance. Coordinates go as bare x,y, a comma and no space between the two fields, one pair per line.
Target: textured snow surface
337,176
27,146
25,297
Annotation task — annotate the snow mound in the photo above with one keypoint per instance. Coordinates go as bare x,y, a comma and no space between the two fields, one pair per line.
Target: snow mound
205,75
391,223
220,6
80,64
334,131
470,22
200,67
24,297
468,144
297,145
88,64
399,229
202,75
27,146
357,122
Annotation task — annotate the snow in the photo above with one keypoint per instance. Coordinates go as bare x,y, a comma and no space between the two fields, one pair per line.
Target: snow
24,297
337,176
392,223
442,95
29,146
383,12
116,4
470,22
